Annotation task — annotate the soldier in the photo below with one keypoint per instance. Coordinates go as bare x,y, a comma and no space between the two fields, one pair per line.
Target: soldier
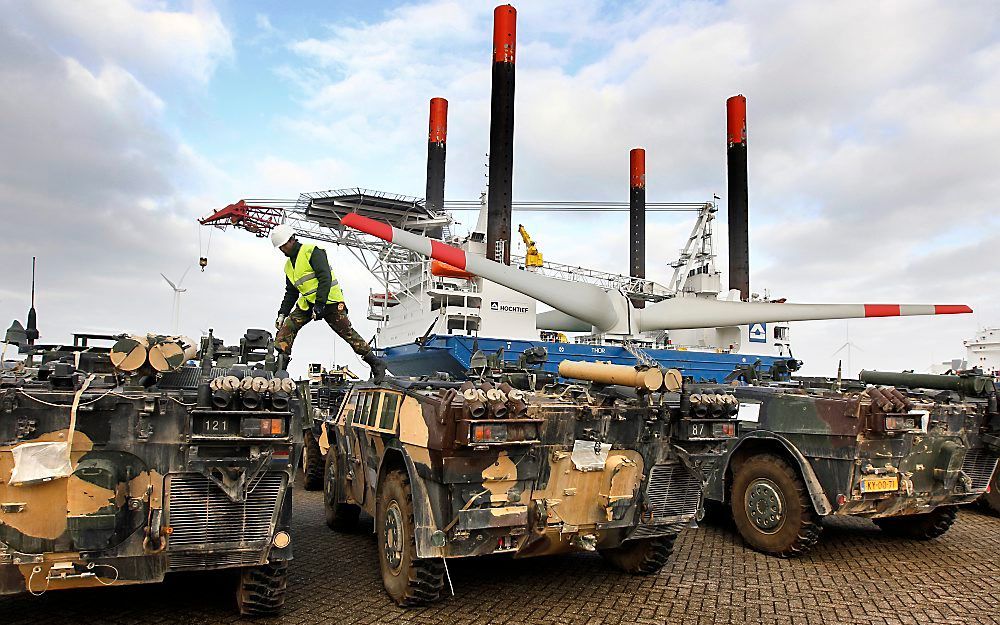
312,292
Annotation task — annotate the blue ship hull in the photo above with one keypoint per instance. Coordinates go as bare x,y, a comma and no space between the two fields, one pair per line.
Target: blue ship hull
452,354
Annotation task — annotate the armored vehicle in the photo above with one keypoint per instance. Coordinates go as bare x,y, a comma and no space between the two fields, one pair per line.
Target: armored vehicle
903,451
327,389
460,469
119,465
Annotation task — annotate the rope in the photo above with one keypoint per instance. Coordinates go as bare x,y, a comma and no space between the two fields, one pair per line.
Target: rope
72,416
86,403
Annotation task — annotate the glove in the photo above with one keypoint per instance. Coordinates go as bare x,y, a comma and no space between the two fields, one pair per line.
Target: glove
280,321
319,311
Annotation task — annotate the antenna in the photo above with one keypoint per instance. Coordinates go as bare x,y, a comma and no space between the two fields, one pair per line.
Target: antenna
32,330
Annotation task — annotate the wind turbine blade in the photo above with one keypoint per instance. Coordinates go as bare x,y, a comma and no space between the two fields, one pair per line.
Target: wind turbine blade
840,349
576,299
172,285
183,275
691,312
561,322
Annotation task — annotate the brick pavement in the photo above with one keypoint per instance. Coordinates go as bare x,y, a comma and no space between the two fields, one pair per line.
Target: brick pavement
854,575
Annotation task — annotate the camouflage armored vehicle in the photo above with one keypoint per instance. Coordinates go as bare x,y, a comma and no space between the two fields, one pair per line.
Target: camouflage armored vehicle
904,452
327,390
110,478
461,469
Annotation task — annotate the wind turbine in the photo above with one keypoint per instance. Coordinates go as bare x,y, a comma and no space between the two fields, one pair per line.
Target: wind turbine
177,298
848,345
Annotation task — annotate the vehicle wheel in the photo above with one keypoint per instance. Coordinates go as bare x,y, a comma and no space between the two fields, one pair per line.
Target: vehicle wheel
641,557
262,589
408,580
341,517
991,500
312,463
920,526
771,507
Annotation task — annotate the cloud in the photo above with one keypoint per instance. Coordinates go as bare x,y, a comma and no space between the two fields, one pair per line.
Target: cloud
141,35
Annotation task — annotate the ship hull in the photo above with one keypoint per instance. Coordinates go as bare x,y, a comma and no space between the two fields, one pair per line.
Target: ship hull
452,355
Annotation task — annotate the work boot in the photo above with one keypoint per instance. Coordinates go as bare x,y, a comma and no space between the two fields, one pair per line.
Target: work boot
377,366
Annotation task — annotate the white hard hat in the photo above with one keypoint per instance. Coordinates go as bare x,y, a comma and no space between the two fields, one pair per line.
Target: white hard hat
281,235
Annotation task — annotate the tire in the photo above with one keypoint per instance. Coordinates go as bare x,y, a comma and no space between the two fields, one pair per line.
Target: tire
409,580
926,526
312,463
262,589
991,500
771,507
641,557
340,517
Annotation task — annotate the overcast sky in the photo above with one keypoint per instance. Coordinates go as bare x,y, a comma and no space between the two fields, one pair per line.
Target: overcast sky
873,143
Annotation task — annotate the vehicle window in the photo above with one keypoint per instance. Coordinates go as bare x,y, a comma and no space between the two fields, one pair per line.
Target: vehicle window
348,408
359,413
387,417
372,410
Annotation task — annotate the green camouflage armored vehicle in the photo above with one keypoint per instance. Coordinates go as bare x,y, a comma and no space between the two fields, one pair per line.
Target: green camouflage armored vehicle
458,469
903,451
110,478
327,390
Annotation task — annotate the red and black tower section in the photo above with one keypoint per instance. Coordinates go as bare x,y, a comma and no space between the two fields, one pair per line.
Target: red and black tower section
437,136
501,161
736,162
637,216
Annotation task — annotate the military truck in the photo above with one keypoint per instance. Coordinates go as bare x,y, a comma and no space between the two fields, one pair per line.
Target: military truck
452,469
327,390
110,478
903,450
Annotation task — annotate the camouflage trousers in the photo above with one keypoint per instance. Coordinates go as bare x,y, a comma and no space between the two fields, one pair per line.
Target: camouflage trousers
336,317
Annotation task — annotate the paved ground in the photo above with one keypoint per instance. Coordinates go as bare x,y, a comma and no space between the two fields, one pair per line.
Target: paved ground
855,575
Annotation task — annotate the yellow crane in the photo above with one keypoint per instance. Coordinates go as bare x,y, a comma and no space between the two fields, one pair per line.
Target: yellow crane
532,258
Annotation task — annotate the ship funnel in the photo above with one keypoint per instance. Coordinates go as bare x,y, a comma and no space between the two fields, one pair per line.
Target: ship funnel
608,311
501,161
738,218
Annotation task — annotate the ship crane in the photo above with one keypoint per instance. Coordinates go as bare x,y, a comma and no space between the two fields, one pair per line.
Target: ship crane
532,257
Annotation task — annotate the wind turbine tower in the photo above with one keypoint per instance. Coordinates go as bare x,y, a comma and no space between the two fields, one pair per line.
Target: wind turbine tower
176,320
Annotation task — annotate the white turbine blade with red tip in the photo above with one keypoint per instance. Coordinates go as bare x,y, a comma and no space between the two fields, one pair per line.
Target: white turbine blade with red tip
577,299
600,308
694,312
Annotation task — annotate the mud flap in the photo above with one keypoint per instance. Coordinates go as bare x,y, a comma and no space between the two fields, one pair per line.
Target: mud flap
425,526
716,482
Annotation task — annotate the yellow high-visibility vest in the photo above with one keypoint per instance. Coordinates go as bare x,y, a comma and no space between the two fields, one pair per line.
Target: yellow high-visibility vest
303,278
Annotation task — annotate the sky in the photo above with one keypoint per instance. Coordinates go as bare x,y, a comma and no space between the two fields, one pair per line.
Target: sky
873,145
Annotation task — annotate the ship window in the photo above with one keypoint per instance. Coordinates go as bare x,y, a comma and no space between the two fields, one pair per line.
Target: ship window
387,418
780,333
